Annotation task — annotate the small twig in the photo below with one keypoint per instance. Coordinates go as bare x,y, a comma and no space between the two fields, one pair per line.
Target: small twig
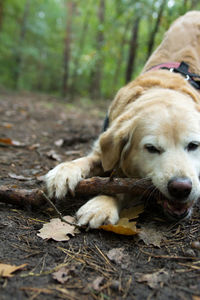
190,266
167,256
58,212
105,258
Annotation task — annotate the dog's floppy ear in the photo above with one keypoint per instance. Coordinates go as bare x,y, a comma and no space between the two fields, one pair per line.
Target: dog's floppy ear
113,141
111,145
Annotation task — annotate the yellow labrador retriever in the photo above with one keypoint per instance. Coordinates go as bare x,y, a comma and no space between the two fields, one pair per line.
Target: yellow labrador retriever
153,132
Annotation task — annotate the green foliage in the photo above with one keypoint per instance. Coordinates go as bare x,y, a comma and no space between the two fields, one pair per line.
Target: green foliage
32,42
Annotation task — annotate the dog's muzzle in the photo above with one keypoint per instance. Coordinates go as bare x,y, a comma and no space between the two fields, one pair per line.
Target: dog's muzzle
179,188
178,207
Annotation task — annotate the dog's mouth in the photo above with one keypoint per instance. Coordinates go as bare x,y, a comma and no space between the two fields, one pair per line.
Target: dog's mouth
176,209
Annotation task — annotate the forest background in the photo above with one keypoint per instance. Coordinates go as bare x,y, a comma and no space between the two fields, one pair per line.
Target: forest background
80,48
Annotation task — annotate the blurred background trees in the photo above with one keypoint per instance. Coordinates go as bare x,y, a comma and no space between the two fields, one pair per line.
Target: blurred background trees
80,48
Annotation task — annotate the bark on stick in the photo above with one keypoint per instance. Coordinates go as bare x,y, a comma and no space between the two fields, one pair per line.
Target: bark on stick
90,186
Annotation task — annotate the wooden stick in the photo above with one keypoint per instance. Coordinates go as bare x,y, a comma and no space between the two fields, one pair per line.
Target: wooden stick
21,197
105,185
90,186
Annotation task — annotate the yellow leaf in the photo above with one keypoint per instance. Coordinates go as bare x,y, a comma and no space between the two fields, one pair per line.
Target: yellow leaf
7,125
6,141
7,270
124,226
132,212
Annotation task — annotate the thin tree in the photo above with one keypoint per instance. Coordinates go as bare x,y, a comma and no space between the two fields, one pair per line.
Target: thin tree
1,13
18,53
121,54
80,50
96,73
194,4
185,4
155,29
67,46
132,49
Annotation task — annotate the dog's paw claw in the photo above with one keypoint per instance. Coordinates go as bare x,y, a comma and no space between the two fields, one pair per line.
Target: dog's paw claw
97,211
63,179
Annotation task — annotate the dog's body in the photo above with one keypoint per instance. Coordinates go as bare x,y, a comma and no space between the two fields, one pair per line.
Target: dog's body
153,132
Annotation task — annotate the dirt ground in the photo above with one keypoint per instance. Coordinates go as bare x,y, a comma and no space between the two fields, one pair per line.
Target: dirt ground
38,123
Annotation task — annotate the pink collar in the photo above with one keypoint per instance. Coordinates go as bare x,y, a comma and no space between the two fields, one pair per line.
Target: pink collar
168,65
181,68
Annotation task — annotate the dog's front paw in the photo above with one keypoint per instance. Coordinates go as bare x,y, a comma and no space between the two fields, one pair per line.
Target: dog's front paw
99,210
63,178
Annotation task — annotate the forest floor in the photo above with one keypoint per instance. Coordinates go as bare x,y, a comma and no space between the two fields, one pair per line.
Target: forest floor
170,270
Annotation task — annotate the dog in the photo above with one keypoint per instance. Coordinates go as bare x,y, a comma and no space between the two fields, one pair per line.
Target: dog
152,132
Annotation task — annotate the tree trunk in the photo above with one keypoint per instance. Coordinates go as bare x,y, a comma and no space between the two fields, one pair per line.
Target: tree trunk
18,55
185,4
80,50
155,29
121,55
132,50
1,13
194,4
96,73
184,8
67,46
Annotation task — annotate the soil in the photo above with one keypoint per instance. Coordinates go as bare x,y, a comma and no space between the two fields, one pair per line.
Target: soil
50,131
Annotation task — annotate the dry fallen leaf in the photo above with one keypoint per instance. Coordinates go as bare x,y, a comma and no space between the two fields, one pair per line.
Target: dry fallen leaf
63,274
5,141
125,226
7,270
7,125
34,146
40,178
151,235
59,143
154,280
19,177
116,255
97,283
74,152
53,155
9,142
58,230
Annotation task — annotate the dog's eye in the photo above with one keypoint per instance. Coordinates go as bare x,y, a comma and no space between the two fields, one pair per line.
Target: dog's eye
192,146
152,149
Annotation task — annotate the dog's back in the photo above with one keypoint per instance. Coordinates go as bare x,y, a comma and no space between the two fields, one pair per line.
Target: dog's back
181,43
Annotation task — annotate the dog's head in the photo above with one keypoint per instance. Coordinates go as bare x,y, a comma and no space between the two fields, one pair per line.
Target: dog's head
158,137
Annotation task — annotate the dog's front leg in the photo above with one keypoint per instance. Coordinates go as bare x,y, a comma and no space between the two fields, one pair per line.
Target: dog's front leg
99,210
65,177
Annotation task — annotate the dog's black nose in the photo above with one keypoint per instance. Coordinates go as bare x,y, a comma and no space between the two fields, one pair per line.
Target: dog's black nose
179,188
